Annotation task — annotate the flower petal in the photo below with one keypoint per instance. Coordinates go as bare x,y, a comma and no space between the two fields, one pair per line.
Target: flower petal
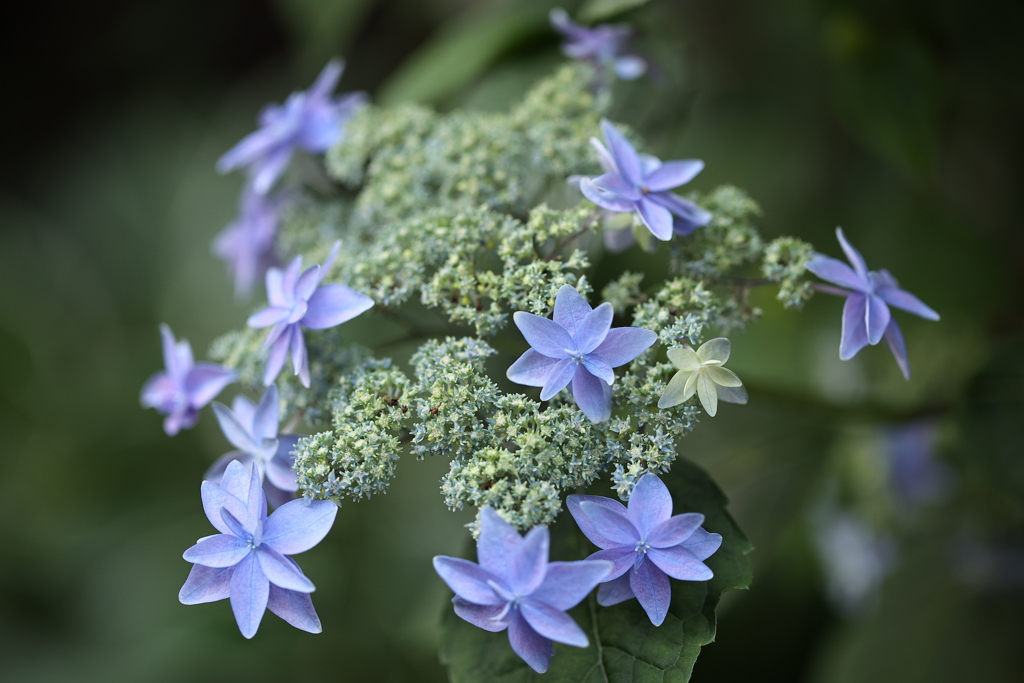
690,215
593,329
533,648
685,359
855,333
552,623
205,584
544,335
204,381
297,526
216,471
620,530
593,396
583,520
332,305
530,562
615,591
630,67
216,498
327,81
468,580
571,309
532,369
269,168
222,550
300,362
160,391
650,504
907,302
894,340
707,393
279,468
604,156
250,591
652,589
835,271
604,199
278,355
723,377
265,417
173,361
623,344
622,559
498,542
679,563
282,571
717,349
561,374
626,160
294,607
614,183
656,217
271,315
672,174
235,432
675,530
876,318
703,544
732,394
599,367
856,260
566,584
487,617
679,389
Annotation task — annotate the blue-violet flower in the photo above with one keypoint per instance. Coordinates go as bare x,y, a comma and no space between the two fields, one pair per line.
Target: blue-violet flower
515,587
602,46
578,346
246,245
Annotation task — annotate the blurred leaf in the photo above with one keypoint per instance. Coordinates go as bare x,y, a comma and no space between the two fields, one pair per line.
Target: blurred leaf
624,645
598,10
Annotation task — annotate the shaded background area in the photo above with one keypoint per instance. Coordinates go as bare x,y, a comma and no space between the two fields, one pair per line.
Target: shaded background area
900,123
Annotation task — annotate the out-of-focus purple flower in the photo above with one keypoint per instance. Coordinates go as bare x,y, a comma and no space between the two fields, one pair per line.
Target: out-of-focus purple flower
915,474
603,46
184,386
252,429
248,561
646,545
515,587
311,121
866,316
246,245
578,346
298,300
641,183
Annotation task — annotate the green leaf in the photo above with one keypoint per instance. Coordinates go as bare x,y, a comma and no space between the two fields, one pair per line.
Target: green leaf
624,646
599,10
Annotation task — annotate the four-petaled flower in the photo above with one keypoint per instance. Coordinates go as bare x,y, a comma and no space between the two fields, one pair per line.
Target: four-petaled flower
602,46
701,372
641,183
515,587
646,544
296,301
185,386
310,120
578,346
866,316
252,429
246,245
248,560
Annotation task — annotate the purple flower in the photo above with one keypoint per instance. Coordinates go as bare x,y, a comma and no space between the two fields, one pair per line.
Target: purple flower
641,183
296,301
248,560
246,245
602,46
185,386
578,346
866,317
515,587
310,121
646,544
252,429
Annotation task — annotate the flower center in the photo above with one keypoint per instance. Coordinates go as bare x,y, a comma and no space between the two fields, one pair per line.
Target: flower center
575,355
642,546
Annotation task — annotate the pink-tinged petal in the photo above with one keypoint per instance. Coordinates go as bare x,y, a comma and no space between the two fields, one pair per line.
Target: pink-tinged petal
615,591
613,182
876,318
656,217
544,335
282,572
626,159
604,199
216,471
610,524
533,648
835,271
552,623
530,562
468,580
599,367
205,381
583,521
672,174
332,305
307,283
855,332
650,504
222,550
651,587
604,156
294,607
532,369
623,344
571,309
327,81
856,260
488,617
235,432
299,525
907,302
894,340
265,416
679,563
675,530
270,168
703,545
278,355
160,392
268,316
250,591
593,329
561,374
567,583
593,396
216,498
498,542
206,584
622,558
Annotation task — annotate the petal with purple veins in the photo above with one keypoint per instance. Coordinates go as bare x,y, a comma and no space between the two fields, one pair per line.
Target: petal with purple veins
614,183
552,623
222,550
703,544
593,329
651,587
532,369
679,563
561,374
599,367
533,648
593,396
299,525
650,504
623,344
205,584
876,318
530,562
294,607
468,580
657,218
675,530
672,174
250,591
615,591
488,617
282,572
544,335
498,542
906,301
622,558
854,332
604,199
835,271
566,584
571,309
332,305
573,503
610,524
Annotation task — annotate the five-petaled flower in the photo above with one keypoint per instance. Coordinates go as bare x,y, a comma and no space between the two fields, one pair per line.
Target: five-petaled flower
866,316
296,301
246,245
515,587
252,429
310,121
646,544
641,183
603,46
578,346
248,560
185,386
701,373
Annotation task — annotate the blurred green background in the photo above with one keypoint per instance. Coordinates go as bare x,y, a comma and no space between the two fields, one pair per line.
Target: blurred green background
900,121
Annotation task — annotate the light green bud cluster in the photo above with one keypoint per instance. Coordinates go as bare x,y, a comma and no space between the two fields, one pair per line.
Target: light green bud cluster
785,263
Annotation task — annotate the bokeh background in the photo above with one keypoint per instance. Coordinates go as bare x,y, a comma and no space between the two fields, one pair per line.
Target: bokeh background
888,516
